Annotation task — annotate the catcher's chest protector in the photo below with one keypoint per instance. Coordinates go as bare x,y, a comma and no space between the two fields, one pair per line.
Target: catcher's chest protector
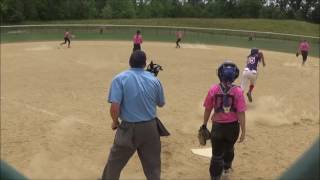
224,101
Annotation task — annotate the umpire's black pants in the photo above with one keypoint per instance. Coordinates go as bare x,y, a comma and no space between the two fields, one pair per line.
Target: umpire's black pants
223,138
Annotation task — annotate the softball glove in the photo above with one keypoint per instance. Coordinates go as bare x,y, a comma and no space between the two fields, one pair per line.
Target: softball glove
203,135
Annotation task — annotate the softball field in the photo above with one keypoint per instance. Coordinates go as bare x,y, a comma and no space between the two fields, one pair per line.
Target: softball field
55,121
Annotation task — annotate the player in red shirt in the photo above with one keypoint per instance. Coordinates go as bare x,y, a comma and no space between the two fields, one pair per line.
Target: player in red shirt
137,41
179,38
67,37
303,48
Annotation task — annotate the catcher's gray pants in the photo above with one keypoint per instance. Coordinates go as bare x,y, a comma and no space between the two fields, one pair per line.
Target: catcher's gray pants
143,137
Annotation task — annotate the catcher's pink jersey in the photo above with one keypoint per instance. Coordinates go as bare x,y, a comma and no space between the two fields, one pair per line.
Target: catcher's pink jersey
221,117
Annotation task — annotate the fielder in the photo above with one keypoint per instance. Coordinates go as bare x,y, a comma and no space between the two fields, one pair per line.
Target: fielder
250,72
179,38
137,41
67,37
303,48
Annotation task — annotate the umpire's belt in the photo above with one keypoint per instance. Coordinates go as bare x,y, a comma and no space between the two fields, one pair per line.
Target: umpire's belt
139,122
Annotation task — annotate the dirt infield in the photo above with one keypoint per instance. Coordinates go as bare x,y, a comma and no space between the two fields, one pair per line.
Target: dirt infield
55,120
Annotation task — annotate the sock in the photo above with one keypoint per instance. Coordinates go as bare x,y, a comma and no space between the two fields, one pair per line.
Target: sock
251,88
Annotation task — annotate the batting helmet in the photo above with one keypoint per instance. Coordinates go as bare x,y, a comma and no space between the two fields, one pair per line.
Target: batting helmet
254,51
228,72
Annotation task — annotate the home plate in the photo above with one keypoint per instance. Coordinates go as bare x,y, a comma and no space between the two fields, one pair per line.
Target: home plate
206,152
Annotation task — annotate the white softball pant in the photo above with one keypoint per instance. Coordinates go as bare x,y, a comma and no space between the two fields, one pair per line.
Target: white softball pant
248,76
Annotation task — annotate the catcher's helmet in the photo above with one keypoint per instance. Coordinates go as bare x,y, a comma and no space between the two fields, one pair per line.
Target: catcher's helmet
254,51
228,72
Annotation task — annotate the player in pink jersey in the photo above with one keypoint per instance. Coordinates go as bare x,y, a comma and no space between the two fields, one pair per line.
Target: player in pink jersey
179,38
67,37
303,48
228,103
137,41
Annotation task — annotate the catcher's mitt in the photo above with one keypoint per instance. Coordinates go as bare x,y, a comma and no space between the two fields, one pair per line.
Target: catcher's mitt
297,54
203,135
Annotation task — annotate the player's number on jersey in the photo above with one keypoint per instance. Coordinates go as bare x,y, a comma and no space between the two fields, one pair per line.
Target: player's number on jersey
251,60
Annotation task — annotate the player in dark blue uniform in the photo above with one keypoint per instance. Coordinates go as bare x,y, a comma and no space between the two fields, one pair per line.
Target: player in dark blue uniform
250,72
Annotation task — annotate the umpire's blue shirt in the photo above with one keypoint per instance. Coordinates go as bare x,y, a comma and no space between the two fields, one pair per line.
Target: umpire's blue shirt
138,92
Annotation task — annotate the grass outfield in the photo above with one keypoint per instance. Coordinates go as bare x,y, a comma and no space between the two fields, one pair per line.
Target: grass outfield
279,26
191,37
166,35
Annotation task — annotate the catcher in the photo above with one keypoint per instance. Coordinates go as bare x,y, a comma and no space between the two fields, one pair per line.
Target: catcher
250,73
228,103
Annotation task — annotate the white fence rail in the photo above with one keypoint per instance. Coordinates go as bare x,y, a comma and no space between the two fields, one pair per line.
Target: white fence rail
257,33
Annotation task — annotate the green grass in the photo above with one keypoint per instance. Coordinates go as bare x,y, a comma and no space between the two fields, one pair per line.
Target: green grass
280,44
279,26
166,36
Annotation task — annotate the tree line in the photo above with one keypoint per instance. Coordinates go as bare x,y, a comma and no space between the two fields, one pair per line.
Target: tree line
15,11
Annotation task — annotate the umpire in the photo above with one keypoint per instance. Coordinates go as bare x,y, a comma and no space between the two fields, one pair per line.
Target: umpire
134,96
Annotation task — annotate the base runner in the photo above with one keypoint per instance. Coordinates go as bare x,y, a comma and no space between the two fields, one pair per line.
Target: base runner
250,72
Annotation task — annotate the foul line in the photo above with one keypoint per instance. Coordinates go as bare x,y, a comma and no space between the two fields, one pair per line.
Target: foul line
32,107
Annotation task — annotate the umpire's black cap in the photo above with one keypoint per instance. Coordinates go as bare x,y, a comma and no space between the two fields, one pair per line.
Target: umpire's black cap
138,59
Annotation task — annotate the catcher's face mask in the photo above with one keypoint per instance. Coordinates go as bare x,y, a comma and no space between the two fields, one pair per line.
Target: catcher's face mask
154,68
